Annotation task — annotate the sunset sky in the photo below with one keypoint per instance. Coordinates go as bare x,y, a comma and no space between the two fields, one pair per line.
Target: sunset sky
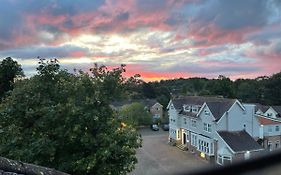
159,39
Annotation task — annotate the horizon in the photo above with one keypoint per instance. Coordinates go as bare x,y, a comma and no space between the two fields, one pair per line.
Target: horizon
160,39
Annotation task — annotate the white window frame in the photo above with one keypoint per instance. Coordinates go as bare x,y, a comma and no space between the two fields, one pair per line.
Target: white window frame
187,108
193,139
277,126
223,157
205,147
277,143
269,145
207,127
270,129
193,123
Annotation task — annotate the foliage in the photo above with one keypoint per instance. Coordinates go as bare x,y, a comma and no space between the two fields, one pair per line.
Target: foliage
60,120
135,114
9,70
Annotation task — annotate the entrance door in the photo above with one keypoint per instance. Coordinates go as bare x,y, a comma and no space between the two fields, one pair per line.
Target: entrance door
184,138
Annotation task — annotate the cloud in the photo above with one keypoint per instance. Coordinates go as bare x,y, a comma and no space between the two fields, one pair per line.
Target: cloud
165,38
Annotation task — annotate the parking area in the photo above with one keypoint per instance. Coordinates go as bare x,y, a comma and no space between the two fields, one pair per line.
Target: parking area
157,157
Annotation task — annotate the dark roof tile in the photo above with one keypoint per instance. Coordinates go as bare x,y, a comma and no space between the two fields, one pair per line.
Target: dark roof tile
239,141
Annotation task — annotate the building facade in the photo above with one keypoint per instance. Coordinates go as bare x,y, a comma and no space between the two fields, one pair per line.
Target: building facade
196,123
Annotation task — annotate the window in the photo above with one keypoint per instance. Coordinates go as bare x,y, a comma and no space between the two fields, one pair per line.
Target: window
194,109
277,128
172,107
223,160
207,127
269,128
193,140
184,121
178,134
187,108
205,147
193,123
277,144
269,145
207,113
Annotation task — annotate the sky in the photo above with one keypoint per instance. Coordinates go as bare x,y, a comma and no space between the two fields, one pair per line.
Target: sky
158,39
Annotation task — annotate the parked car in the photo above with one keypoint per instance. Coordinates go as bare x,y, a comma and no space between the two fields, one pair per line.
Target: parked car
155,127
165,127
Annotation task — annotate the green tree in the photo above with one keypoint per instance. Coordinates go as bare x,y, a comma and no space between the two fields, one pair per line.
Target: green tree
272,90
60,120
9,70
135,114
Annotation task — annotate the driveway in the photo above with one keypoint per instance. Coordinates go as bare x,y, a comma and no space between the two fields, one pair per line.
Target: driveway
157,157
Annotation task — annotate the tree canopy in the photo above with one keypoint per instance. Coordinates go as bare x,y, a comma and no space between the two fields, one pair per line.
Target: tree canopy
9,70
135,114
61,120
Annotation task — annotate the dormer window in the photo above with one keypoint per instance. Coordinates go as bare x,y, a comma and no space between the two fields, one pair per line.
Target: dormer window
187,108
194,109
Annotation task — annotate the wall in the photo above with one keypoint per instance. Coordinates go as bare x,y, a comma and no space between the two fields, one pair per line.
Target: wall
270,113
157,109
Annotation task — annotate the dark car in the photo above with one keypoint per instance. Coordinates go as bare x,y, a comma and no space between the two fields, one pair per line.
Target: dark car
165,127
155,127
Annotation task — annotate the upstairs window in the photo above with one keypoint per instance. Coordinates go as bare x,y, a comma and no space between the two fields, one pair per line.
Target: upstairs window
194,109
207,113
184,121
277,128
269,128
193,123
207,127
187,108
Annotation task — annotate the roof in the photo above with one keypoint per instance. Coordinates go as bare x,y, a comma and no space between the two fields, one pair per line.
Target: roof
192,114
220,107
267,121
194,100
145,102
277,109
239,141
261,107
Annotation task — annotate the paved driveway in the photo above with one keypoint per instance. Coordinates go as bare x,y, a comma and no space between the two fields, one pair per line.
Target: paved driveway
157,157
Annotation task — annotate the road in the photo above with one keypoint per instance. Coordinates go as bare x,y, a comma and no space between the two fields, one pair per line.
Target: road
157,157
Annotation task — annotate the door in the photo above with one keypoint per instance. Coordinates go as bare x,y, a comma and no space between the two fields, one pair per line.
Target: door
184,138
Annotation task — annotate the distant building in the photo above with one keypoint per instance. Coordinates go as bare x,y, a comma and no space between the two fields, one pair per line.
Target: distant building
152,105
217,129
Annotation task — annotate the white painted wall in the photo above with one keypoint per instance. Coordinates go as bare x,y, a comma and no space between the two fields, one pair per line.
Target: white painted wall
270,113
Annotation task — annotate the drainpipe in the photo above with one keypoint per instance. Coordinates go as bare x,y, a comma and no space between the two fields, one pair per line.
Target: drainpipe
261,131
226,116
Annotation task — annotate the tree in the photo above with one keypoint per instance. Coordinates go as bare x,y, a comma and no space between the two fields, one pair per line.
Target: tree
272,90
148,90
9,70
135,114
60,120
